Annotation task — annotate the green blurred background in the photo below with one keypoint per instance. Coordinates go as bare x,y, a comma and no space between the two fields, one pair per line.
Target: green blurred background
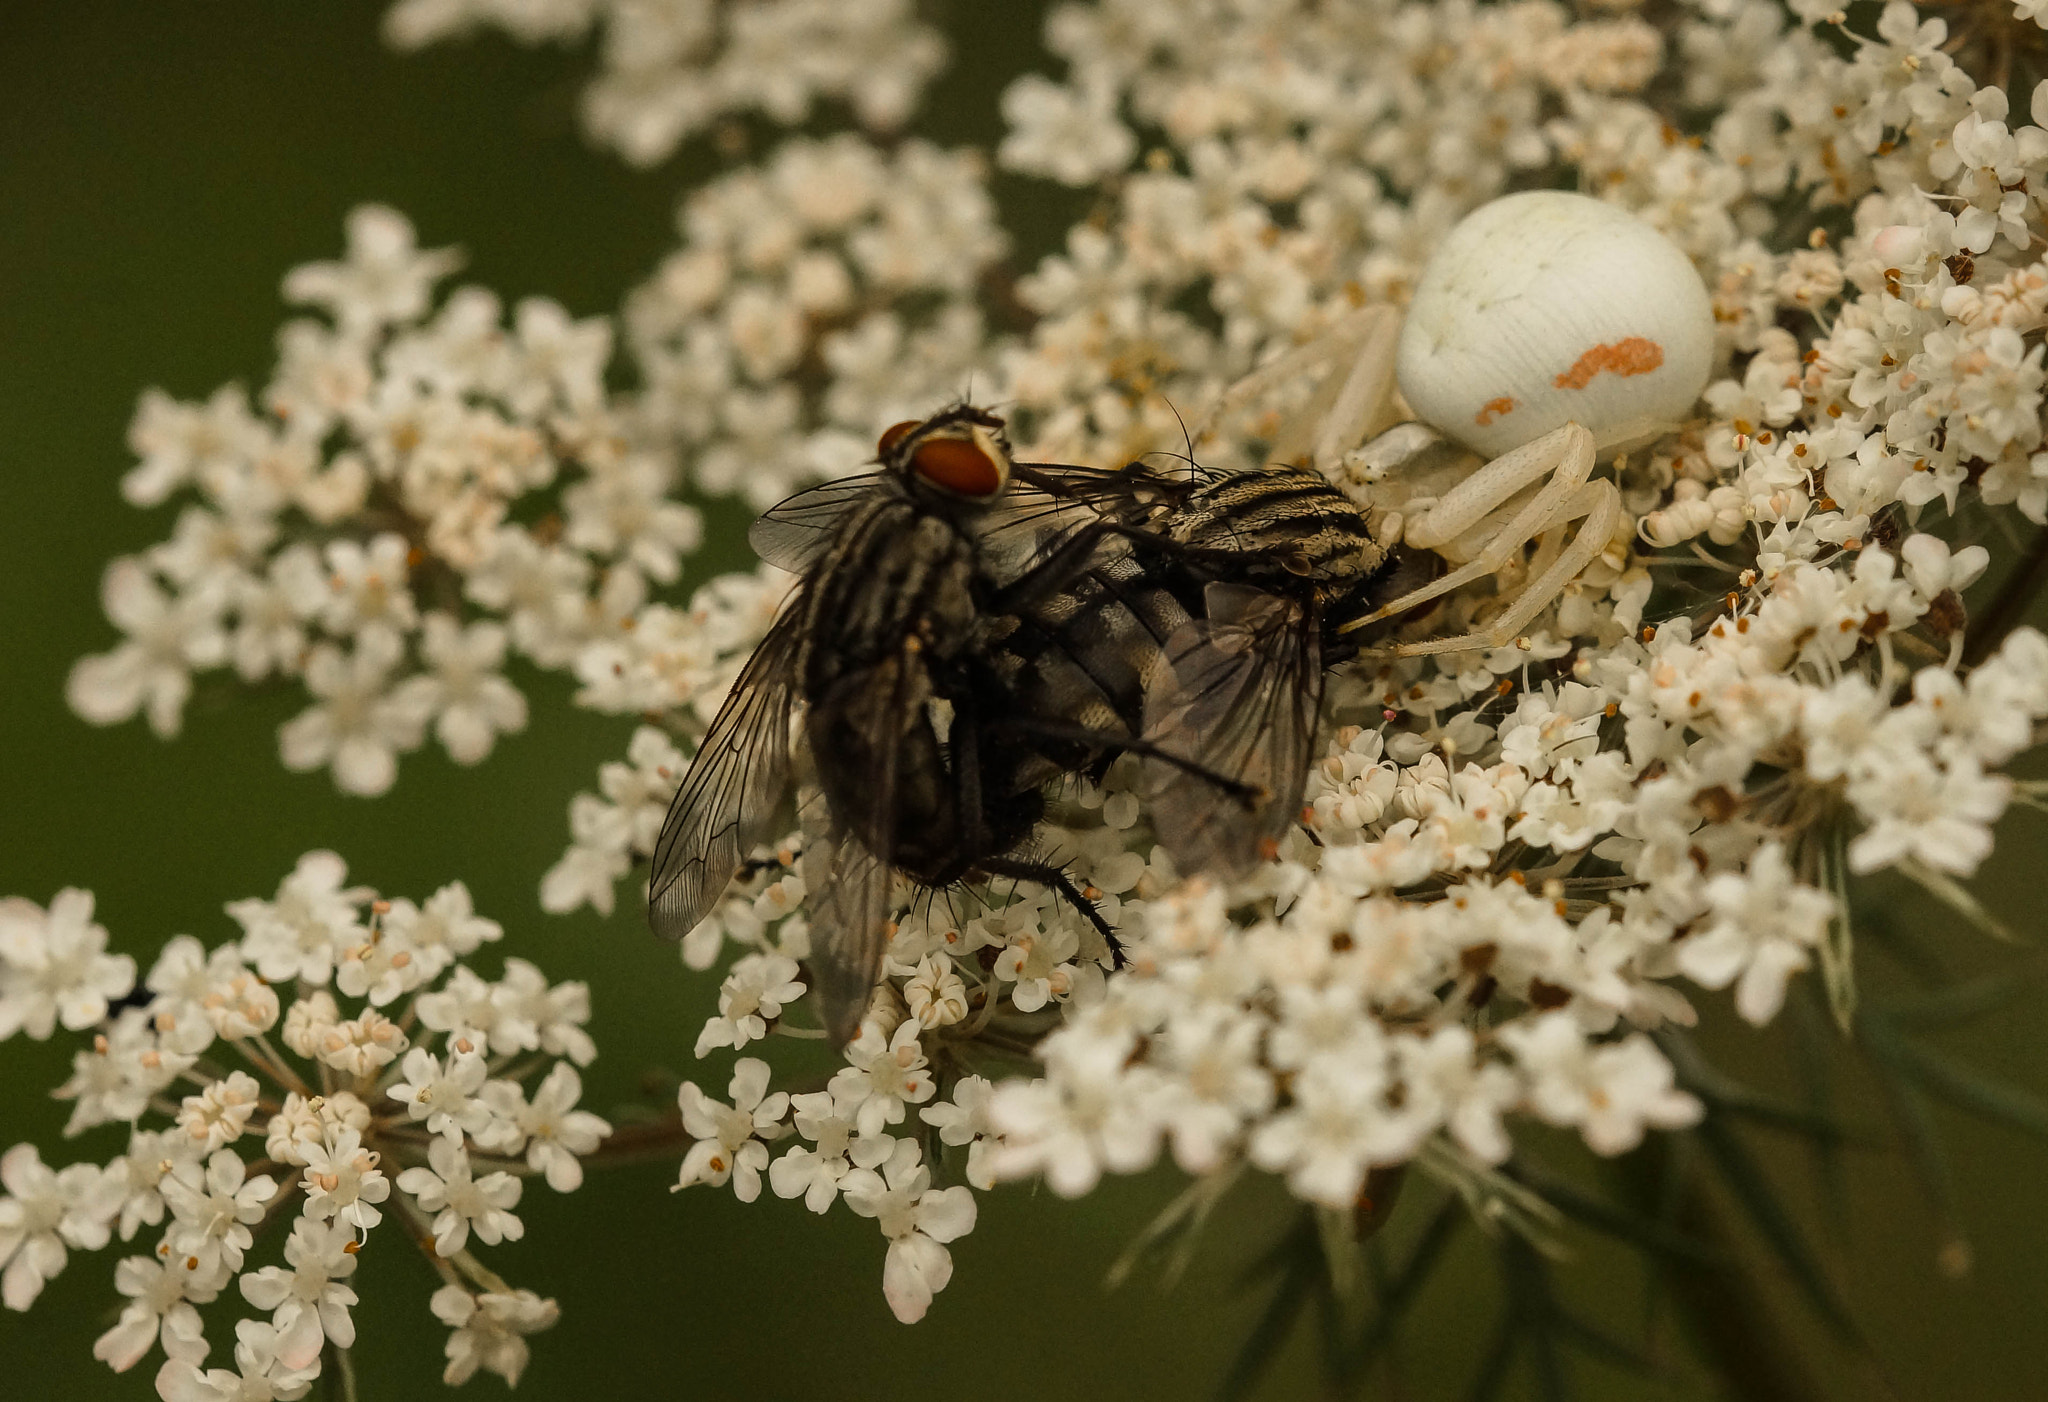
161,165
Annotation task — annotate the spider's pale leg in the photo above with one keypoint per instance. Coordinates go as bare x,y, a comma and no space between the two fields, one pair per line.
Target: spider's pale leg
1547,547
1341,341
1347,406
1567,454
1599,503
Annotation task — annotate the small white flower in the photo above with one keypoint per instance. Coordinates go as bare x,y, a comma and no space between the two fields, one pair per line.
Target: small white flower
1071,136
116,1078
186,978
814,1174
259,1374
1933,569
308,1304
1940,815
305,1121
1215,1082
220,1112
624,511
182,444
1445,1082
964,1120
463,1203
1763,925
160,1308
444,929
54,966
381,968
729,1137
1610,1093
386,277
1336,1126
756,991
444,1095
529,1013
170,636
1040,964
467,1008
300,933
935,994
918,1219
1089,1117
45,1211
884,1074
212,1208
490,1330
465,691
343,1181
360,725
140,1173
557,1133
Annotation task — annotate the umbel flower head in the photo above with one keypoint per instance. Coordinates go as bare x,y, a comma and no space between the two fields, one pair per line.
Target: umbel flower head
1516,865
1518,869
391,1095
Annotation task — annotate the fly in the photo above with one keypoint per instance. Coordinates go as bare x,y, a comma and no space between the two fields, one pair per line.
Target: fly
894,643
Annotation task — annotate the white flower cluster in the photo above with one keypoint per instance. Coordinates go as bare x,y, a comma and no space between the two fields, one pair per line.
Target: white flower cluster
1511,861
356,532
847,1152
673,68
396,1084
815,300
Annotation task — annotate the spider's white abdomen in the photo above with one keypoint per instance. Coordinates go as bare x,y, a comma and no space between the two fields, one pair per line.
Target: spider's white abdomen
1548,307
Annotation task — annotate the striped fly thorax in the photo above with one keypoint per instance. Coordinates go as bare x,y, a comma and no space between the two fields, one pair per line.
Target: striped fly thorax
1289,532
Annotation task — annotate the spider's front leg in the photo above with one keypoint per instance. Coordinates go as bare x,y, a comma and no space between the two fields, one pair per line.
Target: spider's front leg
1565,456
1350,404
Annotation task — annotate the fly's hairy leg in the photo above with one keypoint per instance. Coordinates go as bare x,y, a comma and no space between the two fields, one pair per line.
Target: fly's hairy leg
964,741
1248,794
1045,874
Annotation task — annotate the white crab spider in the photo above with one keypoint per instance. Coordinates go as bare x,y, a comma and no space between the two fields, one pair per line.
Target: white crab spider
1546,328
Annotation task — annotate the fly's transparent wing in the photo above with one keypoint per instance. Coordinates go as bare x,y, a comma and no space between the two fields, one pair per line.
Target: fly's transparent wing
1053,498
850,904
732,790
1056,523
849,931
1244,686
791,534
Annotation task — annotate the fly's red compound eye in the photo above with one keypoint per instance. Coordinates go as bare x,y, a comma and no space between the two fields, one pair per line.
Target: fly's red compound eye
894,434
958,465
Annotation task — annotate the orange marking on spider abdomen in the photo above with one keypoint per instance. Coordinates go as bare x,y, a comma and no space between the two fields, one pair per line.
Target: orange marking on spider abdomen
1493,409
1635,355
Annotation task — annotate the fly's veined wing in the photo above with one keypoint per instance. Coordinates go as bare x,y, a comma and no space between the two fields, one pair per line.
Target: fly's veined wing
850,882
849,931
1241,699
791,534
730,794
1045,494
1048,506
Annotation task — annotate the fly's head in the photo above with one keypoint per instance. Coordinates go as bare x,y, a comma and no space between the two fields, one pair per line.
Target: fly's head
959,455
